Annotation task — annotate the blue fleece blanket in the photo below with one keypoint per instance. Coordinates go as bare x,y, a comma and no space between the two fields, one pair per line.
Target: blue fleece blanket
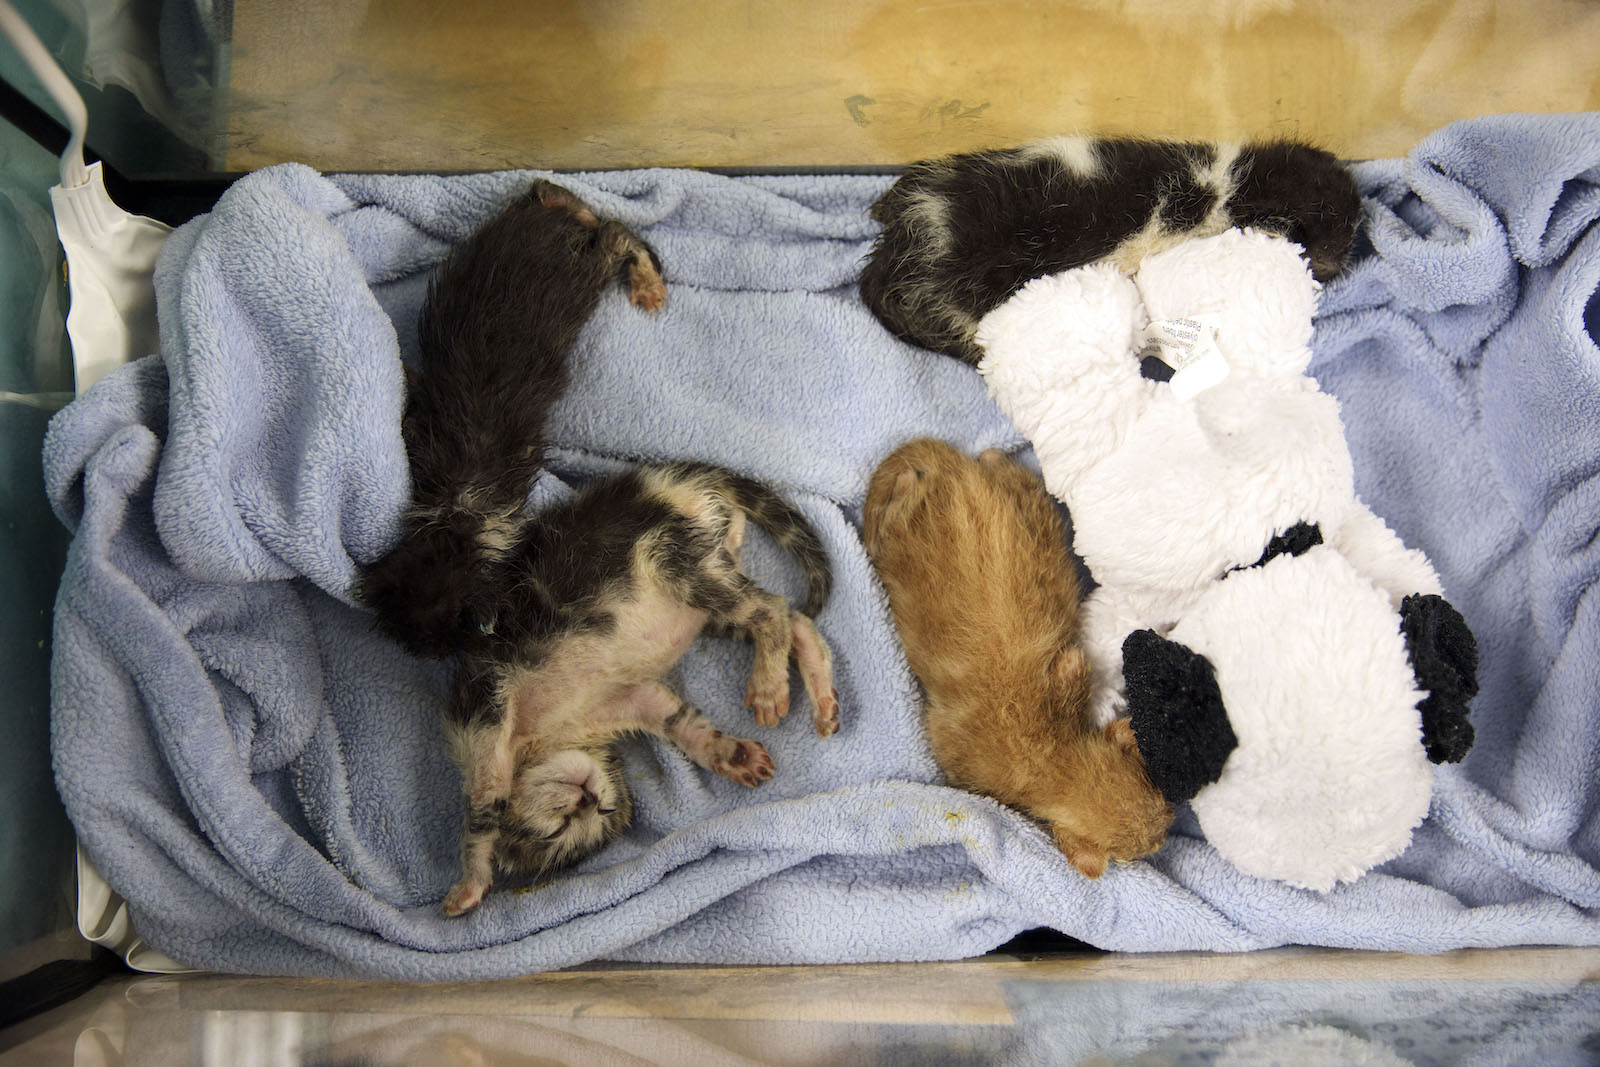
264,779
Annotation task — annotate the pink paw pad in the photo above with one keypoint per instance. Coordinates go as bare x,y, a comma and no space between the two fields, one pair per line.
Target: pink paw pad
743,761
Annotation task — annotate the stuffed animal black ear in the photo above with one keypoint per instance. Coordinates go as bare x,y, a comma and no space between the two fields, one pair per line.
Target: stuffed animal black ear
1178,718
1444,656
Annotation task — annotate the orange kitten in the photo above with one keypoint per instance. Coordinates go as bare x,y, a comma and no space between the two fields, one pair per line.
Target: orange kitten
973,554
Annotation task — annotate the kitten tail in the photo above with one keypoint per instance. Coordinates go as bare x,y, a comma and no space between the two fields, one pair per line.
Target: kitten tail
791,530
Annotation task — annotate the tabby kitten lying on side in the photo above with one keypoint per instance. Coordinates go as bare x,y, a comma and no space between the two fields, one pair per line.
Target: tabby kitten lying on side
604,594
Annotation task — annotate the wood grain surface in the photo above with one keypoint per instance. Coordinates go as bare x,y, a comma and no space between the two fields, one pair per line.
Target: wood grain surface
478,84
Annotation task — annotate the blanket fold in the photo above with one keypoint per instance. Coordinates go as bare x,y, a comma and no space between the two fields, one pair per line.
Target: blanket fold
265,781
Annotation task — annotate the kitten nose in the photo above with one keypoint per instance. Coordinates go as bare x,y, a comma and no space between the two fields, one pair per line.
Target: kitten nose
589,799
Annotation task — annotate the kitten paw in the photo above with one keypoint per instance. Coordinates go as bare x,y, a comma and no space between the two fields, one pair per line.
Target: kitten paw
826,715
769,702
742,761
463,897
646,289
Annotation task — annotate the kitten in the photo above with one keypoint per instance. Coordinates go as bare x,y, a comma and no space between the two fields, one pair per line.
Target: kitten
985,597
502,313
604,593
963,233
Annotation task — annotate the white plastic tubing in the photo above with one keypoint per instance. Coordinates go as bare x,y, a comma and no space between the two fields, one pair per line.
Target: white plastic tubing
111,258
111,255
55,82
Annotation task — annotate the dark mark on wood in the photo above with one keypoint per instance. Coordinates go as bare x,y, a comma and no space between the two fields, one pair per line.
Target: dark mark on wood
854,106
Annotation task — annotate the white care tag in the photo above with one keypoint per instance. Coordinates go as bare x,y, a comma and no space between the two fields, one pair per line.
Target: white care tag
1189,347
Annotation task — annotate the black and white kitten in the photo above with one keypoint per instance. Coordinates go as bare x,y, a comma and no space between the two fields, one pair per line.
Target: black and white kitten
963,233
605,593
502,314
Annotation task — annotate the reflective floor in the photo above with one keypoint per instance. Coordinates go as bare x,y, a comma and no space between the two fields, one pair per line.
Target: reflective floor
1290,1006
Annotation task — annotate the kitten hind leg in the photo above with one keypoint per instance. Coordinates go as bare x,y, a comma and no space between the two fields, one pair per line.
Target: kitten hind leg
765,617
815,659
776,631
655,708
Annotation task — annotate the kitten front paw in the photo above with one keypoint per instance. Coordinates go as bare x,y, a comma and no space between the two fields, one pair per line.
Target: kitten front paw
463,897
742,761
646,288
769,701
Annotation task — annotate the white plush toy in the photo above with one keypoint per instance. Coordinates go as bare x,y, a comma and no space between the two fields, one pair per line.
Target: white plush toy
1289,665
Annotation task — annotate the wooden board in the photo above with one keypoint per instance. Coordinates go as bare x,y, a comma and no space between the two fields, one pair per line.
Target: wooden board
477,84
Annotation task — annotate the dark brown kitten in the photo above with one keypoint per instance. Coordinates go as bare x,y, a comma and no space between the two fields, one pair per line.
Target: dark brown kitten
502,313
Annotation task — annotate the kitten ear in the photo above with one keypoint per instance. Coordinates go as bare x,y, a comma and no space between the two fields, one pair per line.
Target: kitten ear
1088,859
1120,733
904,483
1069,676
1070,664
